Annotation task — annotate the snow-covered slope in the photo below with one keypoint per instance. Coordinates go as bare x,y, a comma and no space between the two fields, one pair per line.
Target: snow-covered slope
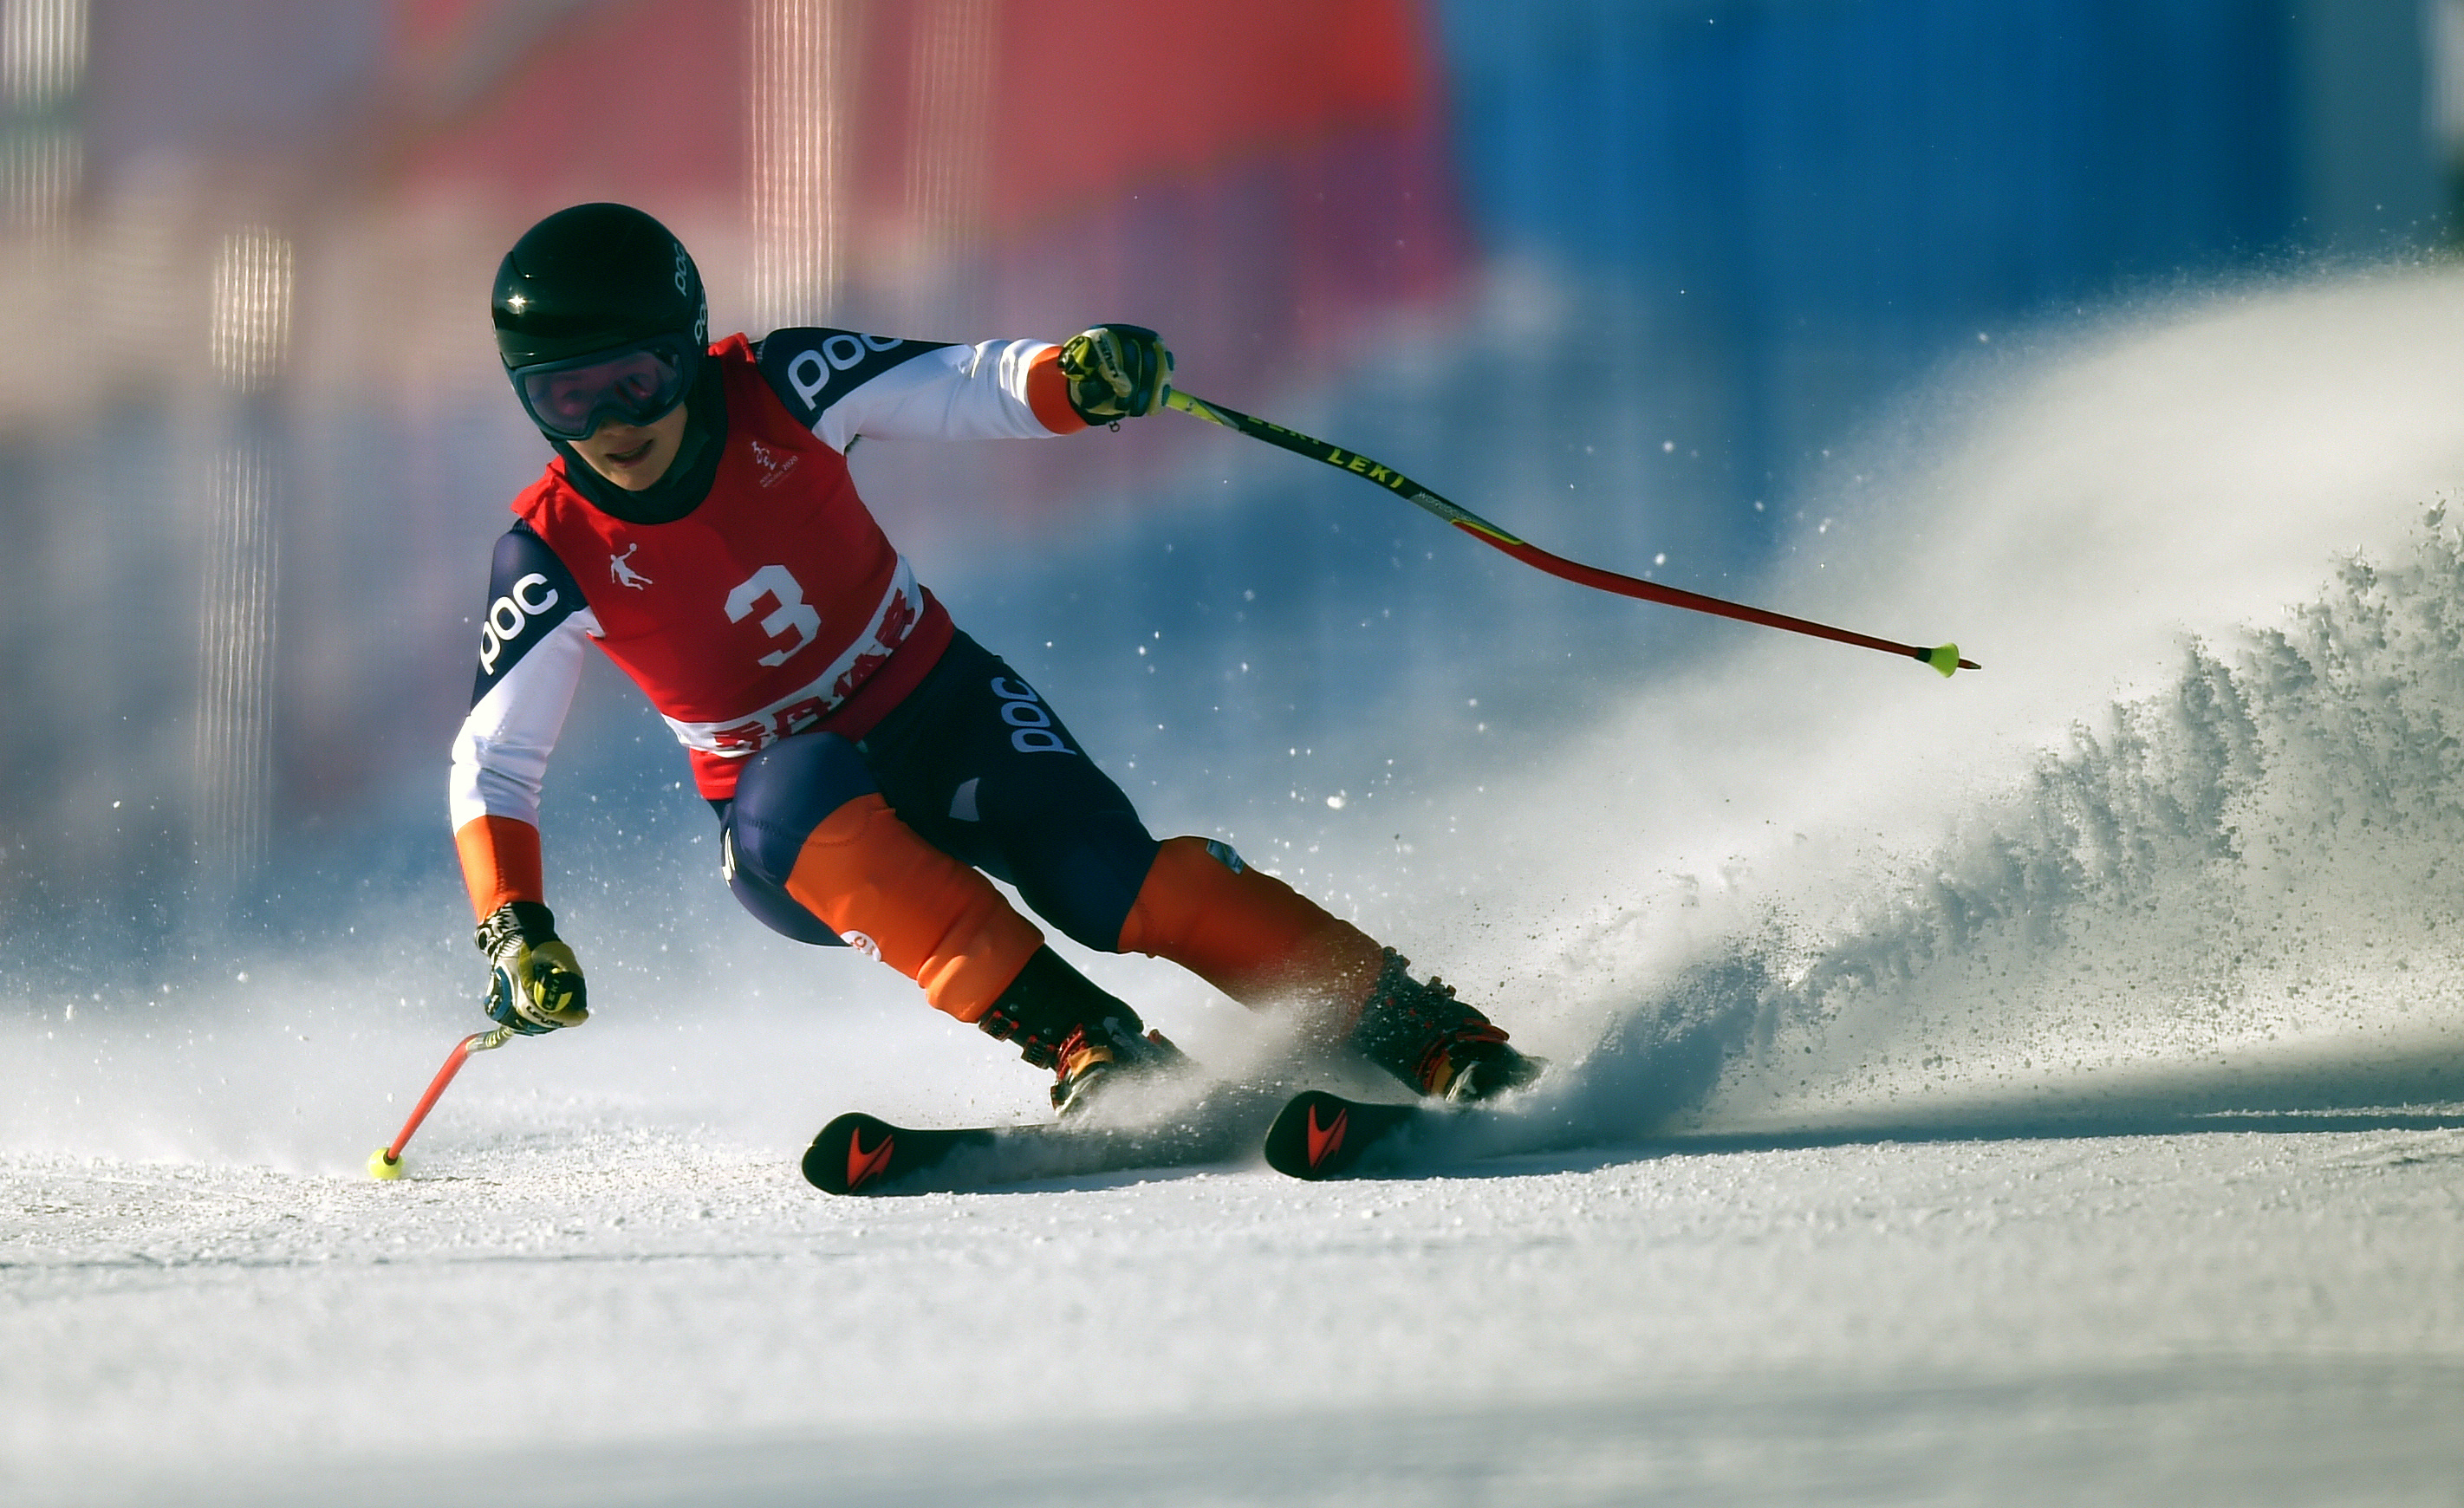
640,1318
2035,1087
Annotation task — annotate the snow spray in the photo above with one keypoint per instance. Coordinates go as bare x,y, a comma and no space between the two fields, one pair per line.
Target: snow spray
2189,847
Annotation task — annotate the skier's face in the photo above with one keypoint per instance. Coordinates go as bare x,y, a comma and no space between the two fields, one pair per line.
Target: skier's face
634,456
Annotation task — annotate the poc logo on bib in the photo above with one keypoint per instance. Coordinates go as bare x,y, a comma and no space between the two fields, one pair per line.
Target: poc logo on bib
1030,726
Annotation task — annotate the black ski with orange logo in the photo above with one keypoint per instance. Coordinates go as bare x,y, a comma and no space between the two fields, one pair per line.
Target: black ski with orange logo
1322,1135
860,1153
864,1154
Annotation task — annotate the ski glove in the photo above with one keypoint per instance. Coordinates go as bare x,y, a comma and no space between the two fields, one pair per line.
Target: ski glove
1117,371
534,985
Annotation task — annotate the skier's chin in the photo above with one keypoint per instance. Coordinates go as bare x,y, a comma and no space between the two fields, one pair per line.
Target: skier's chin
635,468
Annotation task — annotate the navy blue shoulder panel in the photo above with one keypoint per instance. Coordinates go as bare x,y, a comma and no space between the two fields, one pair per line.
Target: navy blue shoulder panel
811,369
529,592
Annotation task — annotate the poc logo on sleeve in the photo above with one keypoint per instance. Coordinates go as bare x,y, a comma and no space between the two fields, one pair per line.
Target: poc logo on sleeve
509,615
811,371
1032,729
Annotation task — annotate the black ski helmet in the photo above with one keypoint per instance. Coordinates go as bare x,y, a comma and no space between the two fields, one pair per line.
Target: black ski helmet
591,278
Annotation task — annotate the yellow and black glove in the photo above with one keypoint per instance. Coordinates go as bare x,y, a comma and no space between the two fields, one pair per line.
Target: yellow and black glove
534,984
1117,371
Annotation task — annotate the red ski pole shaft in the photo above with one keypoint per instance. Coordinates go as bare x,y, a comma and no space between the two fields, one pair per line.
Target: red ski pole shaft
1943,658
475,1042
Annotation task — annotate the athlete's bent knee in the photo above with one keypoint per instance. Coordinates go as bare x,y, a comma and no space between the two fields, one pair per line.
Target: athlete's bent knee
782,793
786,791
870,878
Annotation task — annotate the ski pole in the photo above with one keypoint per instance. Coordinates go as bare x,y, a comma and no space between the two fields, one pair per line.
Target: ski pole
385,1162
1943,658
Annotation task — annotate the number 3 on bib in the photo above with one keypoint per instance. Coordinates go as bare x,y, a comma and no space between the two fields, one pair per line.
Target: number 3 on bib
789,614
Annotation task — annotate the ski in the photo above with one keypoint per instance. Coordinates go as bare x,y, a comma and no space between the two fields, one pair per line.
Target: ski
1322,1135
865,1154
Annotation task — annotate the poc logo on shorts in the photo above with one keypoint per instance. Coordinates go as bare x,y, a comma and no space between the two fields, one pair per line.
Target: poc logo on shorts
508,615
1030,725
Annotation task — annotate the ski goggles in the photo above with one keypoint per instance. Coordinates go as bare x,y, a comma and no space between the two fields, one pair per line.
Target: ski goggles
636,384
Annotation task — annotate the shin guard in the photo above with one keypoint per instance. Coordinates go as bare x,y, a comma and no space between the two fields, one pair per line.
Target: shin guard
1249,934
937,921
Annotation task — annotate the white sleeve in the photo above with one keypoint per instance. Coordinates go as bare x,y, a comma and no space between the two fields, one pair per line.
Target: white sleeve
959,392
500,754
848,386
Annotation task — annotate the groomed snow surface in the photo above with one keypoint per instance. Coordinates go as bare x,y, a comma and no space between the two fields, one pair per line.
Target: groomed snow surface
2043,1087
2229,1316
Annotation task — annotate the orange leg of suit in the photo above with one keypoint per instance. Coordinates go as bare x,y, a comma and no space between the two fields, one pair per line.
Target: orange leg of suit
1251,936
872,879
874,882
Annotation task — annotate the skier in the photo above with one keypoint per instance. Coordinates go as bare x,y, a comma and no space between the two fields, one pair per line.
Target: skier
866,759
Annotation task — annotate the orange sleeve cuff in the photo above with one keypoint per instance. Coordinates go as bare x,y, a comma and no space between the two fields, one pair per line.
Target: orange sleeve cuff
1048,393
500,863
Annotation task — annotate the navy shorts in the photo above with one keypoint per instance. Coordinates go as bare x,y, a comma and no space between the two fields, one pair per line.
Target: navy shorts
981,768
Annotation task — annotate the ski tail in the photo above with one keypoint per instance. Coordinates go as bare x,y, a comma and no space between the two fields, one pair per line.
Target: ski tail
1322,1135
859,1153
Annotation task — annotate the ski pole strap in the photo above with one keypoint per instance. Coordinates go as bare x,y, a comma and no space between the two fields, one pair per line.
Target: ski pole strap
1943,658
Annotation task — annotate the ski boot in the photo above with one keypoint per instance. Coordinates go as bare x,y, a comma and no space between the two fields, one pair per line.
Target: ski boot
1442,1047
1087,1065
1062,1020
